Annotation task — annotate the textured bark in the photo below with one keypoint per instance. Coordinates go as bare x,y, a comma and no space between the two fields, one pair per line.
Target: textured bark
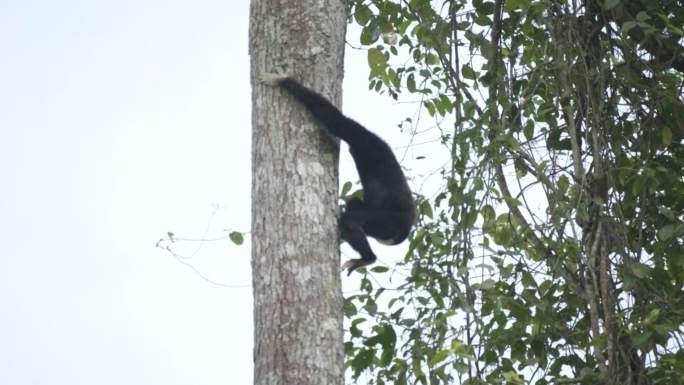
295,240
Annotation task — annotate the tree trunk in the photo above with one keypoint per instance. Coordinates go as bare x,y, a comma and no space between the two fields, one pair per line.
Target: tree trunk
298,334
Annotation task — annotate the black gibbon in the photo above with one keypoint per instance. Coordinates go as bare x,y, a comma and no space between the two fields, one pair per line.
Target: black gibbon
387,211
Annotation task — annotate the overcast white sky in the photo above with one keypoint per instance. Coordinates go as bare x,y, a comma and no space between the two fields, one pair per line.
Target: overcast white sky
120,121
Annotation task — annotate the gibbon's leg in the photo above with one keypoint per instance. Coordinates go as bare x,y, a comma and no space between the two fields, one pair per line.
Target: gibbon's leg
354,204
388,226
359,222
351,226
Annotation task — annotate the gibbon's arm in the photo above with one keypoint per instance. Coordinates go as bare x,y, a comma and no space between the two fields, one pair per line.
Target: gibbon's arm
332,118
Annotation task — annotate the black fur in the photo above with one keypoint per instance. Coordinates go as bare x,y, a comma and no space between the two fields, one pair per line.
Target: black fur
387,211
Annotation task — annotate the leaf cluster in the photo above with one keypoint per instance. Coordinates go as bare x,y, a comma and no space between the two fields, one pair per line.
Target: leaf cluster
553,252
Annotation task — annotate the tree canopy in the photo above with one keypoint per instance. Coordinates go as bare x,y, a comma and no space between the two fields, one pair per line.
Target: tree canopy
554,250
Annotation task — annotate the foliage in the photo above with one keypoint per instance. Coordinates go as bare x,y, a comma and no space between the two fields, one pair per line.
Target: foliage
554,251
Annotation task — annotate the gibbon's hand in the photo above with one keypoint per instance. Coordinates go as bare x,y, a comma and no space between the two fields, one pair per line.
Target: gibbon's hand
272,78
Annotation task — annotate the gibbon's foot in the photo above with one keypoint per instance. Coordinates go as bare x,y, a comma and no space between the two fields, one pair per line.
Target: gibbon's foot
354,264
272,78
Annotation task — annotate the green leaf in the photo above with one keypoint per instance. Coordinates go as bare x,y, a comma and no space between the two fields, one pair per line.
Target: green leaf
563,184
676,31
236,237
387,337
426,209
610,4
671,231
393,78
544,287
642,339
460,349
376,58
354,330
652,316
468,72
445,103
362,14
439,301
639,270
430,107
628,25
431,59
512,377
488,219
371,307
411,83
528,130
370,33
528,280
488,284
484,7
642,16
390,38
667,135
362,361
349,308
667,213
510,5
386,356
637,185
439,357
346,187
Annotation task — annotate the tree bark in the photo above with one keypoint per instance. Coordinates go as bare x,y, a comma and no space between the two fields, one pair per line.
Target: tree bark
298,333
